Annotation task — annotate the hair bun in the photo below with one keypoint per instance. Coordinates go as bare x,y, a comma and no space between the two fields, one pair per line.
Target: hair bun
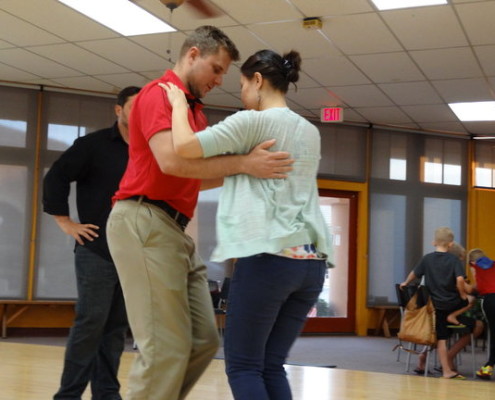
292,65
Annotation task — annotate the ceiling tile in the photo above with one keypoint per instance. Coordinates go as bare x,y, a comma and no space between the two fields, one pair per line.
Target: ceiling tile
77,58
125,52
310,43
245,40
59,19
21,33
411,93
334,71
167,45
361,57
314,98
120,81
477,19
451,126
43,82
438,27
388,67
350,115
486,56
5,45
467,1
35,64
318,8
254,11
430,113
342,32
152,75
9,73
461,90
485,127
85,82
361,96
384,115
447,63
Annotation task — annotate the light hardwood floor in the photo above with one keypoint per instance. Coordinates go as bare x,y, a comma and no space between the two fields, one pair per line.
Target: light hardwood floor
32,372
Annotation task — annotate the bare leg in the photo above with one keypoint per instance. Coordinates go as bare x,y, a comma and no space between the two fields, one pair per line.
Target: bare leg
462,342
443,356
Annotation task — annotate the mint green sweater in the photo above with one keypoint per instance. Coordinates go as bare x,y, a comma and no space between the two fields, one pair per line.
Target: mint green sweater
266,215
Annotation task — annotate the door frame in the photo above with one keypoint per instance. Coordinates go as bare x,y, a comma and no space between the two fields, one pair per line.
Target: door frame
337,324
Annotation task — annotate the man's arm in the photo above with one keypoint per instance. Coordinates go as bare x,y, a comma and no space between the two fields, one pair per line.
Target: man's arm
259,163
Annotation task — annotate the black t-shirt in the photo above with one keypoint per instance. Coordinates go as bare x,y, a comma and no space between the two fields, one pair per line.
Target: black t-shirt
441,270
96,162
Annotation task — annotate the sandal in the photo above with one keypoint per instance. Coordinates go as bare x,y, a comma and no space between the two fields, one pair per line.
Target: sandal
419,371
458,377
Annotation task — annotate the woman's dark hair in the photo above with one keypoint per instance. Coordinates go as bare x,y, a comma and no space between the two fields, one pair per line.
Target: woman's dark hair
279,70
125,93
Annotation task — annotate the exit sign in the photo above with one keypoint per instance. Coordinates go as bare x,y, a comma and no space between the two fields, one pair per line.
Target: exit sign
332,114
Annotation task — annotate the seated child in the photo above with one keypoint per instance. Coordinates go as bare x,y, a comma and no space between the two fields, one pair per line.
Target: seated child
460,252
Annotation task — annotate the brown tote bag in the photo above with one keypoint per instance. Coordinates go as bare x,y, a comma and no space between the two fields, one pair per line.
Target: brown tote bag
418,323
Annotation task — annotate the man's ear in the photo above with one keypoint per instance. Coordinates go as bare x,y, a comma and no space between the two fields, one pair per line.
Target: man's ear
193,53
118,110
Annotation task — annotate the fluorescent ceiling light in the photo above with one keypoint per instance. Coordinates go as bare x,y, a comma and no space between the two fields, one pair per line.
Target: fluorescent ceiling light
122,16
475,111
394,4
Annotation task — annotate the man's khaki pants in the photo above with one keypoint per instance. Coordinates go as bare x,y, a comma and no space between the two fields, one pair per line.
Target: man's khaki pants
167,299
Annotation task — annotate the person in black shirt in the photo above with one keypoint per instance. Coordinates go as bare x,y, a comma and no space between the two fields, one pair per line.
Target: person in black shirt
96,162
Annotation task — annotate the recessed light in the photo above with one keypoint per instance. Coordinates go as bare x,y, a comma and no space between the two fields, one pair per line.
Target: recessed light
474,111
121,16
395,4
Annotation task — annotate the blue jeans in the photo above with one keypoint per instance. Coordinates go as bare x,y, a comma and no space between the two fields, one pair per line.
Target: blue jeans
269,299
96,340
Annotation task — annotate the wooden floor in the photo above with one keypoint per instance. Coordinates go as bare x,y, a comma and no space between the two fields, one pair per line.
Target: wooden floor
32,372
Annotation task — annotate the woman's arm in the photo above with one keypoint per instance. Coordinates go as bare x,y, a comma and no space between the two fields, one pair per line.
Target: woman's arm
186,144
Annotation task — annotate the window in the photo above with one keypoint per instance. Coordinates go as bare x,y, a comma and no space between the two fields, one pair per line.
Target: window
484,164
442,161
66,117
17,138
406,206
343,152
391,161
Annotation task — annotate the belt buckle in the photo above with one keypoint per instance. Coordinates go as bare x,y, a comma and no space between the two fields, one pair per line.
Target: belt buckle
177,217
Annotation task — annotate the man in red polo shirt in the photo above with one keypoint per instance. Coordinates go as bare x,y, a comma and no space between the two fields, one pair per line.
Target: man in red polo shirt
163,280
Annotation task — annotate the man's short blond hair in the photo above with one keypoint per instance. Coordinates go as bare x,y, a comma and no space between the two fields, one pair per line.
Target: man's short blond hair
443,236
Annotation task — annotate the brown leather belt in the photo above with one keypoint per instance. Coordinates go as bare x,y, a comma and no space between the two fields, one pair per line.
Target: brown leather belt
177,216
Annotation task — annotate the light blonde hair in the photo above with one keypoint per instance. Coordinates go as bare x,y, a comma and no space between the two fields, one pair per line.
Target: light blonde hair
475,254
457,250
443,236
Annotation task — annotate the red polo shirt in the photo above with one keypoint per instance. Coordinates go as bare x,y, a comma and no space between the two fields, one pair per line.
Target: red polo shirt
151,113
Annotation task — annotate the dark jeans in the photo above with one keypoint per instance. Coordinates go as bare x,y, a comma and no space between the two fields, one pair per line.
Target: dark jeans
96,340
269,299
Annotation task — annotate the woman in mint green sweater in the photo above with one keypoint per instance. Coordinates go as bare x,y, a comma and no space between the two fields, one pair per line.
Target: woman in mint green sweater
274,227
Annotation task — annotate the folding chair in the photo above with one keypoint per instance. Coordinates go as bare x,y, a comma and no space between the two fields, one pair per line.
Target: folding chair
403,297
